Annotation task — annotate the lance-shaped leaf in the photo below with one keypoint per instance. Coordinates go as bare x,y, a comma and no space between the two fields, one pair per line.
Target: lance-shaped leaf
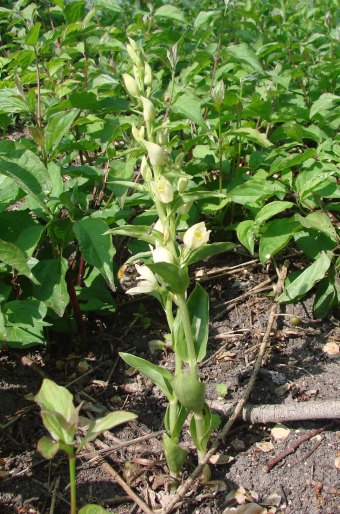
96,247
109,421
208,250
57,126
307,279
173,277
52,289
246,234
270,210
326,294
277,235
159,376
13,256
201,438
142,232
251,134
198,306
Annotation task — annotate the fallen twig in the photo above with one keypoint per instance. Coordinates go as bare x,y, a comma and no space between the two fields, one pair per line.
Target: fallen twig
288,451
239,407
320,486
297,411
109,469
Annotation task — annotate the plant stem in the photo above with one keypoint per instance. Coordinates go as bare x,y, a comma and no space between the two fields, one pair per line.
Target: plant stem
220,151
183,307
72,468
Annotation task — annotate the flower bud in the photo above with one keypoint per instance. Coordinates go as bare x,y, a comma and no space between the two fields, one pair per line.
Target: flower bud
162,254
163,190
131,85
196,236
147,75
167,97
218,93
134,56
182,184
133,44
162,136
149,112
138,134
146,170
159,226
156,153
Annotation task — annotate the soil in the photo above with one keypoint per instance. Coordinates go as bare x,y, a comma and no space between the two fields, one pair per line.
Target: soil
307,481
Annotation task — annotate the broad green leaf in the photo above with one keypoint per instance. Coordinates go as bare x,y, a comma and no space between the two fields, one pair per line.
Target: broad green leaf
307,279
55,398
11,102
142,232
13,256
96,247
107,422
159,376
59,428
175,278
175,455
47,447
57,126
251,134
283,163
270,210
318,220
19,228
33,34
253,191
91,508
276,236
170,11
246,235
245,54
312,242
111,5
205,17
325,296
52,289
189,106
24,320
208,251
323,104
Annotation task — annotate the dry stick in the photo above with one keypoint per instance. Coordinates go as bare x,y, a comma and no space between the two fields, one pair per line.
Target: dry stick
239,407
109,469
299,411
288,451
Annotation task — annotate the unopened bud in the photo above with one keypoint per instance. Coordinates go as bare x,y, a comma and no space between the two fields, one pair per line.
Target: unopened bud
182,184
146,170
131,85
218,93
156,153
149,112
134,56
162,136
138,134
167,97
147,75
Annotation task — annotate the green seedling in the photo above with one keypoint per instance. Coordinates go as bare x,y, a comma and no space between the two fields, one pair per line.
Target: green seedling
61,419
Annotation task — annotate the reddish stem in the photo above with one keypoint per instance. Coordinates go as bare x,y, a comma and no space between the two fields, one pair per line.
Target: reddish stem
81,271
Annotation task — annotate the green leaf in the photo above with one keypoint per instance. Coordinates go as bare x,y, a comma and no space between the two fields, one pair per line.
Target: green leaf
47,447
175,278
52,290
24,320
57,126
189,106
91,508
253,191
245,54
159,376
109,421
283,163
13,256
11,102
312,242
325,296
201,437
204,17
55,398
251,134
110,5
142,232
307,279
95,246
208,251
246,235
171,12
33,34
323,104
175,455
276,236
270,210
318,220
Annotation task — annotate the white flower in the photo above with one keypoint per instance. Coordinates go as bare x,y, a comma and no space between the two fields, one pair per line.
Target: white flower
133,52
156,153
149,112
196,236
131,85
163,190
147,281
161,254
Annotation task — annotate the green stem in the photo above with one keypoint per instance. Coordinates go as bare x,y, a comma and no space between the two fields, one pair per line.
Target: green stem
220,151
72,466
183,307
200,434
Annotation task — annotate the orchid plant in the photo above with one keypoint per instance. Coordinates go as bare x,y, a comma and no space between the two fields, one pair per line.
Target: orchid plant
164,273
